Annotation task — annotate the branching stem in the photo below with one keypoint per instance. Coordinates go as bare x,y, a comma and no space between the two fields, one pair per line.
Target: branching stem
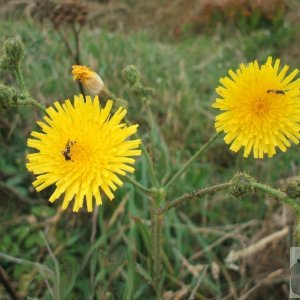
197,193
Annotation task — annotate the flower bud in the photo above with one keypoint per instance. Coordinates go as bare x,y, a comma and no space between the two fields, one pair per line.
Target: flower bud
6,96
14,53
293,189
241,185
89,79
131,74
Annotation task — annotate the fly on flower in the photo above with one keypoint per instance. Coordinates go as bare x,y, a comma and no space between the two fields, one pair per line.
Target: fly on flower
82,150
260,108
67,151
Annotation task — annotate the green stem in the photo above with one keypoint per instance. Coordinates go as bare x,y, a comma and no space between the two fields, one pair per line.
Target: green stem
28,100
156,223
285,200
151,124
20,80
187,164
138,185
157,253
147,156
197,193
150,164
31,101
279,195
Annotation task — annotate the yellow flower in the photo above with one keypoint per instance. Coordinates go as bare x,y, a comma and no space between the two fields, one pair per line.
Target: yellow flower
261,108
81,149
89,79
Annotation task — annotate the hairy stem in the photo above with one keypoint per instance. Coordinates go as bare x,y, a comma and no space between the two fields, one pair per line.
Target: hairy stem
157,253
156,224
197,193
285,200
20,80
33,102
279,195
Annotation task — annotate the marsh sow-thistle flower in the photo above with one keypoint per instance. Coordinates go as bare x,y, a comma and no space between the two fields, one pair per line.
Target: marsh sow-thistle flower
82,150
261,108
89,79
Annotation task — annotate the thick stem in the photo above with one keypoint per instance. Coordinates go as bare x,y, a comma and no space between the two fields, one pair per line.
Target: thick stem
156,223
187,164
157,253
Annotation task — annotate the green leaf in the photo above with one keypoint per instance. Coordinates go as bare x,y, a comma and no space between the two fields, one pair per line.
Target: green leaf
145,234
144,273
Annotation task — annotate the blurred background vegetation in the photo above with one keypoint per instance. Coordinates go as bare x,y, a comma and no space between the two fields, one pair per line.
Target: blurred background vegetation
182,48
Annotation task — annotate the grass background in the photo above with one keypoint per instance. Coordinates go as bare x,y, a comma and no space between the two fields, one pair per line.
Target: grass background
94,255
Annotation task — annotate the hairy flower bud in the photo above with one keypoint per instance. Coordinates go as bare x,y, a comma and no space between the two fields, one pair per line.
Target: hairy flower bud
6,96
241,185
131,74
293,189
14,53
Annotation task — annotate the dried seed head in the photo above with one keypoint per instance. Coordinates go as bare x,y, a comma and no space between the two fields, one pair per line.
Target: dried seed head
68,12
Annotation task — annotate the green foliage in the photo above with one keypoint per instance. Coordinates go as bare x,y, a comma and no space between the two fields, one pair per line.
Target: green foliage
96,254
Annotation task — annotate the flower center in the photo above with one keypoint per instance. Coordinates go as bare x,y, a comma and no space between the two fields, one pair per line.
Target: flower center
261,107
81,152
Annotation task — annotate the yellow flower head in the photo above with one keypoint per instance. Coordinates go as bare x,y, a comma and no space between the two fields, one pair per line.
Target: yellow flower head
261,108
89,79
81,149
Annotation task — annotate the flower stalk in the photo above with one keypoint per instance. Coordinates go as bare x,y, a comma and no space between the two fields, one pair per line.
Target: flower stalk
20,80
138,185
